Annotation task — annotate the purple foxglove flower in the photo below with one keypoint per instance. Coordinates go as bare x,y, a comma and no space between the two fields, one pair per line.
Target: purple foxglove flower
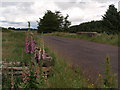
32,44
27,43
43,55
39,54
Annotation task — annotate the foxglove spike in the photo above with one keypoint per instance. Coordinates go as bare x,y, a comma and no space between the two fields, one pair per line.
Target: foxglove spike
27,43
39,54
43,55
32,44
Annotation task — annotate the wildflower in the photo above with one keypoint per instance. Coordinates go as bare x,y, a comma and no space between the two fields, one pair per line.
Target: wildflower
23,73
32,44
27,78
38,75
39,54
27,43
29,74
43,55
36,79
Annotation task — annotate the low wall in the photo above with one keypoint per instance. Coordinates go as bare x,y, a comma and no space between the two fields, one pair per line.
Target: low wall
91,34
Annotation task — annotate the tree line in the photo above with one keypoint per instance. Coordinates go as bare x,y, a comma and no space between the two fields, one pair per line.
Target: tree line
21,29
56,22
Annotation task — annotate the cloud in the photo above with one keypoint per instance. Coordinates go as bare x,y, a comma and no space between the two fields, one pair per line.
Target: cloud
119,6
16,24
17,13
9,22
20,4
104,1
12,13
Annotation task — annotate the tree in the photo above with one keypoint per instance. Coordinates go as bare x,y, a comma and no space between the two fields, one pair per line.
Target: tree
111,20
12,28
119,22
50,22
66,23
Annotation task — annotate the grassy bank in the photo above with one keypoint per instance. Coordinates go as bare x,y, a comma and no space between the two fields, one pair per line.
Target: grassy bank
13,47
101,38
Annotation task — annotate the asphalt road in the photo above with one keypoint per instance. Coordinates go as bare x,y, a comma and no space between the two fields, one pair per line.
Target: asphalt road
89,56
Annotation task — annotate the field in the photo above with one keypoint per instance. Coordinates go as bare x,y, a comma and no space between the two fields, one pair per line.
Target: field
100,38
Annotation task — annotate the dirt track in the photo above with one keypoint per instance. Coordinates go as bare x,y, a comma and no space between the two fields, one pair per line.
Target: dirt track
89,56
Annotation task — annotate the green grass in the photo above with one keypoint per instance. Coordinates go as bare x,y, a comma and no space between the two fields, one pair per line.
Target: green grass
101,38
13,47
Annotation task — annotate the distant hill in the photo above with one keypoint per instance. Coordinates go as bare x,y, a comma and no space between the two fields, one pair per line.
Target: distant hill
15,29
4,29
21,29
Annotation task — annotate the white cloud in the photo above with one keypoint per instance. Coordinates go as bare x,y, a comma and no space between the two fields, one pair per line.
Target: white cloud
119,6
78,10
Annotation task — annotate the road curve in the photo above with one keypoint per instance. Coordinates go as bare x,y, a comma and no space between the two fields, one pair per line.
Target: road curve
90,56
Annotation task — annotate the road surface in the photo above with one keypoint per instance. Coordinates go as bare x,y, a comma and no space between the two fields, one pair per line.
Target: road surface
89,56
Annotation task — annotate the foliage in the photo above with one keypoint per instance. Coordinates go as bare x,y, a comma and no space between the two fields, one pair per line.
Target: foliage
109,80
111,20
93,26
52,21
66,24
109,23
32,78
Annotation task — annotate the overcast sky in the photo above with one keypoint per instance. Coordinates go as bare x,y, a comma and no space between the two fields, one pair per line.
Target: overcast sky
16,13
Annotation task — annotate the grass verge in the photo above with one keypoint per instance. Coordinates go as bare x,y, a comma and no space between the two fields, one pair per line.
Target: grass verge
101,38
